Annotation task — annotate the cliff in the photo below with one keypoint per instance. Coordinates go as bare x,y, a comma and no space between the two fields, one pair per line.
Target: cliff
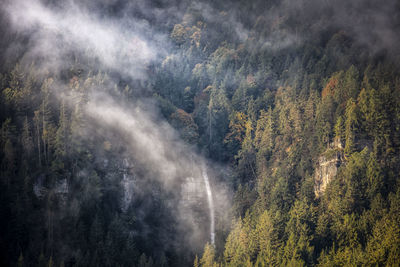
327,167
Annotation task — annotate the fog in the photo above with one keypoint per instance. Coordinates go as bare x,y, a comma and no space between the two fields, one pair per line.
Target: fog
125,45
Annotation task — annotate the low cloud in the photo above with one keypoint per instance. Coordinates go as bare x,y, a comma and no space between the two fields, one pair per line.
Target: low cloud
124,46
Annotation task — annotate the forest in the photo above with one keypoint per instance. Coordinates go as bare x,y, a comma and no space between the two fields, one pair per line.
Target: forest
199,133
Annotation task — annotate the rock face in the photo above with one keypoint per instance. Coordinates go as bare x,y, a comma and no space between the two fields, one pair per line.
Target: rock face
192,192
193,211
60,188
38,186
128,183
327,167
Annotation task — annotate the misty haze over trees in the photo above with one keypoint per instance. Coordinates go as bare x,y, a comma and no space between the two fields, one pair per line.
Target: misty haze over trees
199,133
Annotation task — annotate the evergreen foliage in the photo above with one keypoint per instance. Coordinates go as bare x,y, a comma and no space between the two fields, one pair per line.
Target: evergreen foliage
267,112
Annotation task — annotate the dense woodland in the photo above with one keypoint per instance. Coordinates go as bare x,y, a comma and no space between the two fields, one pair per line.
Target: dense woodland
268,106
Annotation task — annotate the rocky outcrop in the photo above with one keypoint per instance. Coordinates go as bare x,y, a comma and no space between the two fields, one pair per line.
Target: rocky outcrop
60,188
38,186
192,192
327,167
128,183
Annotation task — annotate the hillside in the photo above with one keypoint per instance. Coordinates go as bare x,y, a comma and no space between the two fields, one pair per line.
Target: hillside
173,133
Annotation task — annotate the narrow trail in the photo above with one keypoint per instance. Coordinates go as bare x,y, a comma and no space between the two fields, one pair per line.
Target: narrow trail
210,203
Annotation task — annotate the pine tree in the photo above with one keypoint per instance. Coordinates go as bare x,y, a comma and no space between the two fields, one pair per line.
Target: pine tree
62,140
50,263
218,110
207,260
339,129
26,139
20,262
38,127
235,136
9,156
196,262
41,260
268,240
46,121
351,126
